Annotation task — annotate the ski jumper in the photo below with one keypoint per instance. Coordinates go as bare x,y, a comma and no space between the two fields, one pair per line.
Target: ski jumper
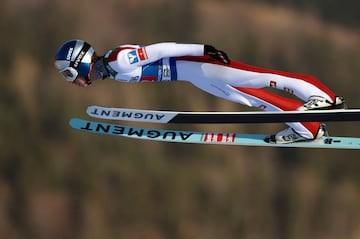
236,81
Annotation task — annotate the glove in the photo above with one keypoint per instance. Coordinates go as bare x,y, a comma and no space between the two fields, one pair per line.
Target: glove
216,54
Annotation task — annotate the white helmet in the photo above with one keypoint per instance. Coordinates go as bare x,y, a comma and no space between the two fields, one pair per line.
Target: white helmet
73,59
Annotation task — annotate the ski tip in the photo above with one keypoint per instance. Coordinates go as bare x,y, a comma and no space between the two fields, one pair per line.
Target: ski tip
90,108
73,121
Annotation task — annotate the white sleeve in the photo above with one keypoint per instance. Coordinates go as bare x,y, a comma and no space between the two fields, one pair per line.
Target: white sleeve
157,51
130,59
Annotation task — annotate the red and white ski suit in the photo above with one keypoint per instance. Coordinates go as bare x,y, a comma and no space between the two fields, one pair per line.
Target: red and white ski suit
236,81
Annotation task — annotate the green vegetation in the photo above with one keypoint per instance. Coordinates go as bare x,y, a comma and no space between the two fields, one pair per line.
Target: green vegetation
59,183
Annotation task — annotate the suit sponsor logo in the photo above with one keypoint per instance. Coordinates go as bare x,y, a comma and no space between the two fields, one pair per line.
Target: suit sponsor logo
141,52
273,84
137,55
133,58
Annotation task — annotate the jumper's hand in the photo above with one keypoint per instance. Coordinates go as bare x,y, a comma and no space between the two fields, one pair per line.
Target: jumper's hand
216,54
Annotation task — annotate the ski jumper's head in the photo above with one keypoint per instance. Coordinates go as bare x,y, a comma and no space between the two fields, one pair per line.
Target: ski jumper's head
73,60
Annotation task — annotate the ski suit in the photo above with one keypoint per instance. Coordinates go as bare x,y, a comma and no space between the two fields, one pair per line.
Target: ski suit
236,81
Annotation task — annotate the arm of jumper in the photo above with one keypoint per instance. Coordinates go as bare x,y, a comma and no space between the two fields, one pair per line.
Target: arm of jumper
157,51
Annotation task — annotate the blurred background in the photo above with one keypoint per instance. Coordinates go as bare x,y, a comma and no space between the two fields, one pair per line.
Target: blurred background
58,183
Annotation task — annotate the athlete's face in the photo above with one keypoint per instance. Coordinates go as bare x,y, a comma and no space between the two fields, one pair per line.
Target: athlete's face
81,81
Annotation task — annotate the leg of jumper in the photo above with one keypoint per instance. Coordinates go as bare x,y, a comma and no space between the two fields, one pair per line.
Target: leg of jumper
243,75
242,86
303,86
272,102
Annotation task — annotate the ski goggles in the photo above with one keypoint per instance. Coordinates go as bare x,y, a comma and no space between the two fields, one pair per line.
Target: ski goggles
69,73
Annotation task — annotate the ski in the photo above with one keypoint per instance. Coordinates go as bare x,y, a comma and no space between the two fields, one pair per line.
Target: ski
152,116
180,136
